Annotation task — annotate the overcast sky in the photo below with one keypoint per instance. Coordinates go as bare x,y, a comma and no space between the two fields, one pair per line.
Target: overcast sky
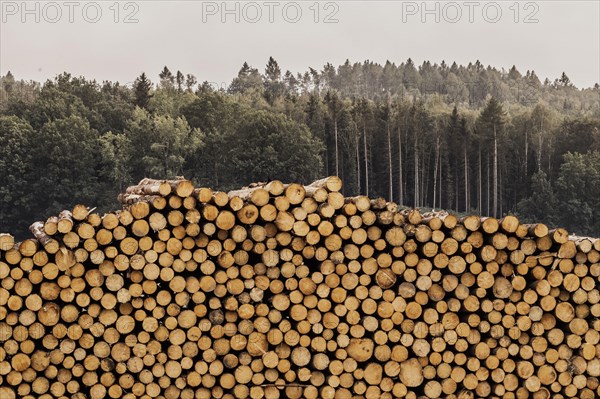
93,39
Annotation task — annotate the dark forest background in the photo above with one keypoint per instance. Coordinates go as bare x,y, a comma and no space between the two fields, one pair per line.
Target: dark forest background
473,139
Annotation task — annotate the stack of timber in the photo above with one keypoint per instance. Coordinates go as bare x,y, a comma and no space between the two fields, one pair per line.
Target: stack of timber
290,291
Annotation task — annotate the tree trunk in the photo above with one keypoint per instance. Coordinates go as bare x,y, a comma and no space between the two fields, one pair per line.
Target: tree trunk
366,159
495,203
480,185
428,306
335,129
435,170
390,170
441,190
466,165
400,169
539,154
423,179
526,152
416,197
487,187
358,179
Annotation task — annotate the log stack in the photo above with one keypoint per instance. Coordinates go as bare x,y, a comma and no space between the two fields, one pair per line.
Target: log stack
290,291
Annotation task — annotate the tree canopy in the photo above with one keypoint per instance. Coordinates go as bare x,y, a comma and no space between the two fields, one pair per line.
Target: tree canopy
470,138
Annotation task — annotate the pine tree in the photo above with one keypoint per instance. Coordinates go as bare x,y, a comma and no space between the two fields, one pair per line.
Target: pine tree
564,80
335,107
248,79
291,83
141,88
514,74
190,82
8,82
492,121
274,88
180,80
166,78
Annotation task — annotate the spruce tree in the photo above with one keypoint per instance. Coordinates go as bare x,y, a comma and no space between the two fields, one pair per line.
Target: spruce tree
272,81
141,88
166,78
180,80
492,121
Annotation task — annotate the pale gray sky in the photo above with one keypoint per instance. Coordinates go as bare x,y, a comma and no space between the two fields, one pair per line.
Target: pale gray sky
203,37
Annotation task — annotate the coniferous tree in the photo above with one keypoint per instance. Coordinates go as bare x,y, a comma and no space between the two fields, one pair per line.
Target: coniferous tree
422,153
248,80
291,83
142,87
180,79
166,78
8,82
564,80
492,121
334,105
274,88
514,74
190,82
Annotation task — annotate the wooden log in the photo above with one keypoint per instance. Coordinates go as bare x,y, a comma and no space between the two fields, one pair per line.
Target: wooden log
284,290
331,183
65,222
150,187
50,244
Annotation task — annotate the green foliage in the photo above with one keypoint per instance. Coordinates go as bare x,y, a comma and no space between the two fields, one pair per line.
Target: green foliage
542,205
274,87
573,201
142,87
492,120
161,144
17,137
117,152
470,138
64,159
269,146
578,192
248,81
54,103
172,141
167,80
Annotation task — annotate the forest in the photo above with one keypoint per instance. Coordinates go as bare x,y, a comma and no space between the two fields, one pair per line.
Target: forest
471,139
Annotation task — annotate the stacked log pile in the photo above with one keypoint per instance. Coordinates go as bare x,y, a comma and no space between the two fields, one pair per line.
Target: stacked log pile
289,291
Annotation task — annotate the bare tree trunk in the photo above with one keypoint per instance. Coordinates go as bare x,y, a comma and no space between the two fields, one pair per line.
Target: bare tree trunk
366,159
466,165
400,170
539,154
526,150
500,199
435,170
495,203
424,178
416,201
441,190
487,187
480,199
327,163
456,187
337,169
358,161
549,155
390,171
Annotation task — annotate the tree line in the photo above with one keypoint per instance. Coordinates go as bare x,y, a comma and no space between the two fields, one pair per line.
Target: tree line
432,136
